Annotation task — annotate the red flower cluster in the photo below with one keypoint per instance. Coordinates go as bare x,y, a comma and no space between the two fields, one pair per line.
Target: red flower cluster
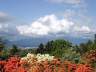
13,64
84,68
57,66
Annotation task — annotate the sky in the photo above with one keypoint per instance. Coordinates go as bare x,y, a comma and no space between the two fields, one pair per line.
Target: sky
47,18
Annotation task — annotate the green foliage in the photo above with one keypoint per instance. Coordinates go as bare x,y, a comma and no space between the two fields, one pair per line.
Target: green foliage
56,47
89,45
59,47
95,38
40,48
2,44
71,55
49,46
67,51
24,52
5,53
14,50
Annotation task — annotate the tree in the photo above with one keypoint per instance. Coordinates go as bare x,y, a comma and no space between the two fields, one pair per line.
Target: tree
89,45
77,49
57,47
95,38
49,46
40,48
14,50
94,44
85,47
2,44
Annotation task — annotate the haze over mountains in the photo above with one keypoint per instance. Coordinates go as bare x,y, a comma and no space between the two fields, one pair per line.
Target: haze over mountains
34,42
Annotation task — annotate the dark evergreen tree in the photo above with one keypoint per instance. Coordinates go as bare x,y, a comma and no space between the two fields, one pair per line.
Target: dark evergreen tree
2,44
95,38
83,48
49,46
14,50
94,44
40,48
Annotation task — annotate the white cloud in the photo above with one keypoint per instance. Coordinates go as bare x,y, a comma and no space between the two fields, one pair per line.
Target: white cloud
49,24
66,1
82,29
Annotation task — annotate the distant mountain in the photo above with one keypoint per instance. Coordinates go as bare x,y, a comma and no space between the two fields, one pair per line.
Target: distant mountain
34,42
29,42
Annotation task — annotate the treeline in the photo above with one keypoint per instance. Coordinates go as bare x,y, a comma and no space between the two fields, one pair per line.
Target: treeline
61,45
66,50
56,47
59,48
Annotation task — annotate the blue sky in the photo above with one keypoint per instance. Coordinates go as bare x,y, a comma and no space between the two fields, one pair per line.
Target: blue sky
39,18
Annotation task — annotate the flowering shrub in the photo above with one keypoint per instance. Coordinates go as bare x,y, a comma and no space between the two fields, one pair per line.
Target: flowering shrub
39,57
84,68
45,66
12,65
41,63
47,63
2,63
91,56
